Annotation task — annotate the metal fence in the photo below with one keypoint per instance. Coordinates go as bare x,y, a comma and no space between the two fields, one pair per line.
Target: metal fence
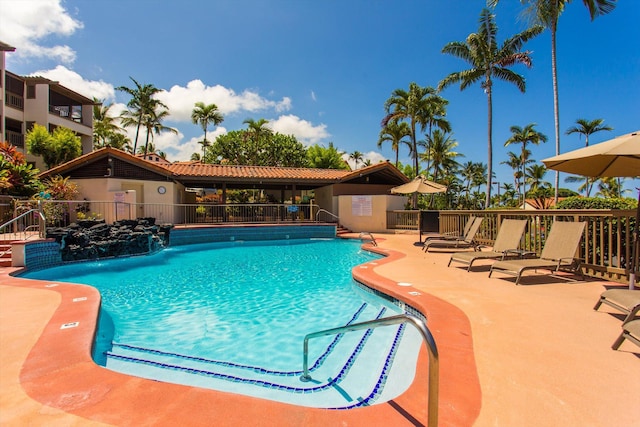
60,213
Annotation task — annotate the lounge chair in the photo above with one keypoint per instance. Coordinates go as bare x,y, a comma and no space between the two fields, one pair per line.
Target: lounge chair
631,332
624,300
558,253
468,241
505,246
453,235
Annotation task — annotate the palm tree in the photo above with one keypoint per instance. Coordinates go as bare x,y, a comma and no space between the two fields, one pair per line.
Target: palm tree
411,106
523,136
104,125
547,13
488,61
141,105
441,153
535,177
256,131
515,162
610,188
356,156
588,127
204,115
395,132
434,115
152,122
587,183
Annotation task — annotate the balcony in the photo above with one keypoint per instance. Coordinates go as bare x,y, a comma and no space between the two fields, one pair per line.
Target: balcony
15,138
15,101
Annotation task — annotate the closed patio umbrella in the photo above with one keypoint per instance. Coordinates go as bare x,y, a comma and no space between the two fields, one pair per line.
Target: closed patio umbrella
419,185
618,157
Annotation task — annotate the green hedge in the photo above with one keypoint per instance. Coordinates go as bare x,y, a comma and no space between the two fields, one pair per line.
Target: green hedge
597,203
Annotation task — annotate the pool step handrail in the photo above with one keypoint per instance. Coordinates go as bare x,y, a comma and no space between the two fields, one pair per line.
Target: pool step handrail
22,226
335,218
419,324
367,236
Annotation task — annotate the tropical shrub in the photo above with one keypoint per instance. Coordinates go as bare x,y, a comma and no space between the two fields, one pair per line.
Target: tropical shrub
597,203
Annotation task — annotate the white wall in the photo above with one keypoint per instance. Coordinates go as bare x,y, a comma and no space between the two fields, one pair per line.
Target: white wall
376,221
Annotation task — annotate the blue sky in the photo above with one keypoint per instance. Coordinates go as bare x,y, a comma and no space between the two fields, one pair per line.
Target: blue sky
322,70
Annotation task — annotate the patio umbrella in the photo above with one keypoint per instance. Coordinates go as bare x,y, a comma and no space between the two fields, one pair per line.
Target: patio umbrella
419,185
618,157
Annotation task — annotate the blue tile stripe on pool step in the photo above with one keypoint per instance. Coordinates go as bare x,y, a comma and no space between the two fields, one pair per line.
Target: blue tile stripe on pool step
377,389
338,378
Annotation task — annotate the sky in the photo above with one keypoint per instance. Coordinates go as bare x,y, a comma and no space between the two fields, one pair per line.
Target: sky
322,70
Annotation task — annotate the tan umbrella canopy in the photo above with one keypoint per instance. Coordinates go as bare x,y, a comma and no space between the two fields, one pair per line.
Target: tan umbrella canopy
614,158
618,157
419,185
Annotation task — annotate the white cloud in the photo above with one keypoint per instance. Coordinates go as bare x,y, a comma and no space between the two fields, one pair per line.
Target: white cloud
24,24
181,100
303,130
313,95
74,81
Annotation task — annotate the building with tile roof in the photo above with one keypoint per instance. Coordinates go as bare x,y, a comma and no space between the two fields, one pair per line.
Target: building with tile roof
103,173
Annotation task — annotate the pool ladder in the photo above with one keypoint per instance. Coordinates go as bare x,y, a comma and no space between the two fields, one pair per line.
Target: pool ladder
419,324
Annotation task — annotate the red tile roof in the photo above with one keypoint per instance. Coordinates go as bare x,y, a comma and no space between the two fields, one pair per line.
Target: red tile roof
267,172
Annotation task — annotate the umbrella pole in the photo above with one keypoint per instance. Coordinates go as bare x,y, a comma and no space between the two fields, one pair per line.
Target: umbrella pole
634,248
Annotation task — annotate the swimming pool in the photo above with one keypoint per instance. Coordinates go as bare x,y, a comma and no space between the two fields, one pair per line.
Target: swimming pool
233,317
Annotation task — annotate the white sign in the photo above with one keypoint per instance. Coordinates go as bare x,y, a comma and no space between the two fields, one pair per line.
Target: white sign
361,206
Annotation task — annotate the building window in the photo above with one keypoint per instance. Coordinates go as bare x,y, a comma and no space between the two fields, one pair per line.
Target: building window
31,92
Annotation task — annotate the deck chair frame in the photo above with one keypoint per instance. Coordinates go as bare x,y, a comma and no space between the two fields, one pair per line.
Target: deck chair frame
464,243
453,235
625,300
631,332
554,258
504,247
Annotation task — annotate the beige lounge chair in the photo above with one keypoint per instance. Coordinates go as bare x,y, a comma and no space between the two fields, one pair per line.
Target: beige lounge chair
558,253
468,241
453,235
624,300
505,246
631,332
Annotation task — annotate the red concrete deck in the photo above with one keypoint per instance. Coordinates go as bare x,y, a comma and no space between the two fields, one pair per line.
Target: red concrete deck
531,355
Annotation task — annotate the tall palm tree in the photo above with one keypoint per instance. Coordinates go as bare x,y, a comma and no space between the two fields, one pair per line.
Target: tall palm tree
488,61
523,136
610,188
547,13
434,115
204,115
586,183
588,127
356,156
152,122
408,106
515,162
141,104
395,132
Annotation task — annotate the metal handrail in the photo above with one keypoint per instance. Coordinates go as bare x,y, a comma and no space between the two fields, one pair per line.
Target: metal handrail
432,398
327,212
366,235
41,226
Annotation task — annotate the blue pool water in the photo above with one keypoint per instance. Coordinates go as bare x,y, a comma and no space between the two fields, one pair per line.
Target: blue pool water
233,316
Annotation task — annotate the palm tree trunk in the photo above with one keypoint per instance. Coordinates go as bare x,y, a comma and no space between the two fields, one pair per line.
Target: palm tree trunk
556,106
489,143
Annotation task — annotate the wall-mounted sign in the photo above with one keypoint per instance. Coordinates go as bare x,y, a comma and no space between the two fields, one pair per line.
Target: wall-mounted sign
361,206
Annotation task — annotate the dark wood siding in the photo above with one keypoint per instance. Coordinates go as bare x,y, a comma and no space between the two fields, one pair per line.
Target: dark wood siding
120,169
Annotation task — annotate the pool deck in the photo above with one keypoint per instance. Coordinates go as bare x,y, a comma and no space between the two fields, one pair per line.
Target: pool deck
530,355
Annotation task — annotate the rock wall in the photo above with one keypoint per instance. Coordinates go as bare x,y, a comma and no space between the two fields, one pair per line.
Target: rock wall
92,239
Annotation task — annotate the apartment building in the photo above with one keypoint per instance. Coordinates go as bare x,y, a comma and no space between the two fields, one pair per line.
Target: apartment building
25,101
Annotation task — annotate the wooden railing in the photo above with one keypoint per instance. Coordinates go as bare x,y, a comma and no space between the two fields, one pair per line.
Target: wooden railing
403,220
606,245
